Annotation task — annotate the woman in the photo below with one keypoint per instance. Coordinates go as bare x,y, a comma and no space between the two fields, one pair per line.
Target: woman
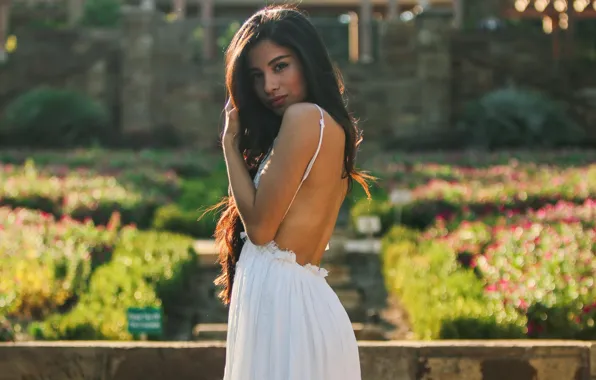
289,146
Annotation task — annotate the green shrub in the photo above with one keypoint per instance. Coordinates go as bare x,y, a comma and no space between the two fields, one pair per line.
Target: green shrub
186,216
204,192
148,165
518,118
102,13
78,194
7,333
173,218
50,118
443,300
541,263
45,264
147,269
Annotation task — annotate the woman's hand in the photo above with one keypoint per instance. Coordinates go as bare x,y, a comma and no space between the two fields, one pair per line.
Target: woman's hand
232,127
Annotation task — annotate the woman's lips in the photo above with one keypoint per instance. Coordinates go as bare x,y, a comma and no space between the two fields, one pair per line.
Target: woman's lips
278,101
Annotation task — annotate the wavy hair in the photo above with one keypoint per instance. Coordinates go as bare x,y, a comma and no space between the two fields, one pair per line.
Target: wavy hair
287,27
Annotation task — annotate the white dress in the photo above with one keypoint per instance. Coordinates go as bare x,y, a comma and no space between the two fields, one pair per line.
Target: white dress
285,322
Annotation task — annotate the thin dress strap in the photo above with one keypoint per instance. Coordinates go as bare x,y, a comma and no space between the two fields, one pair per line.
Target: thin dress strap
312,160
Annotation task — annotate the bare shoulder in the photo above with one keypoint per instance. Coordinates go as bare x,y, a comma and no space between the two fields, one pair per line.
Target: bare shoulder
302,121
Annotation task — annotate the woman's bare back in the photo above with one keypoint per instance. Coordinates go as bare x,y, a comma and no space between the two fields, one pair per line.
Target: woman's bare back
310,220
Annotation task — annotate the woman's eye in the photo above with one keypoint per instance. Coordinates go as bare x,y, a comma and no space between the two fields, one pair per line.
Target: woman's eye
280,66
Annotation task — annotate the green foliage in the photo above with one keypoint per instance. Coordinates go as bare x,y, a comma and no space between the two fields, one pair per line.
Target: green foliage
7,333
193,223
102,13
503,250
518,118
443,300
472,192
147,269
45,264
188,215
160,165
53,118
224,40
202,192
540,262
79,194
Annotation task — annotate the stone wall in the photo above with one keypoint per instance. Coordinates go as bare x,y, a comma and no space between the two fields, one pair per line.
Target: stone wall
150,75
448,360
485,60
77,59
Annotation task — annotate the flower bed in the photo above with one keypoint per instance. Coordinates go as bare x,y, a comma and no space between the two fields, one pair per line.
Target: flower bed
471,192
67,269
147,269
443,300
186,163
63,279
539,265
45,264
79,194
500,246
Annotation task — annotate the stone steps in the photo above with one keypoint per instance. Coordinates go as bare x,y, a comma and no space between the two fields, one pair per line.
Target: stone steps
207,252
219,332
339,277
351,299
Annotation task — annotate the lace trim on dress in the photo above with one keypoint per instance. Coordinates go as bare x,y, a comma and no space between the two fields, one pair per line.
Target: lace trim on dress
287,255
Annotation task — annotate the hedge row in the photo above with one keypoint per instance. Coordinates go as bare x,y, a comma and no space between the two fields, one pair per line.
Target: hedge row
80,195
65,279
443,300
527,276
45,264
147,269
483,192
148,198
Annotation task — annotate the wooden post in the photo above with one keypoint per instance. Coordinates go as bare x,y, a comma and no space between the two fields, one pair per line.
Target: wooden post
76,9
570,32
179,9
366,30
392,9
208,35
458,13
4,12
556,37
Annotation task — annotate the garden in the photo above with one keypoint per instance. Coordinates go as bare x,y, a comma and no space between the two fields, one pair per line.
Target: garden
492,246
88,233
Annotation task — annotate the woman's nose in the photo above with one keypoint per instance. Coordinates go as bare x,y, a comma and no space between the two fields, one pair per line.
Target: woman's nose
271,84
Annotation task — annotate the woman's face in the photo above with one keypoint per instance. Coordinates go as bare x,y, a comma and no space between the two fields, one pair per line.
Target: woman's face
276,75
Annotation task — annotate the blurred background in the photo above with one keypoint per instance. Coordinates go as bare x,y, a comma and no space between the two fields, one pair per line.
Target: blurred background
479,118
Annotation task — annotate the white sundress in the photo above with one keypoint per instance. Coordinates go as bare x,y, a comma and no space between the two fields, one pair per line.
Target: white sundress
285,321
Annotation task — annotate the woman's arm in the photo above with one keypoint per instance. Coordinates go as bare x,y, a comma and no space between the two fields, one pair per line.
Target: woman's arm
262,210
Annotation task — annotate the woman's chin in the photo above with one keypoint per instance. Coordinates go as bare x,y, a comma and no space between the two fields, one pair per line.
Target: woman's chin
279,111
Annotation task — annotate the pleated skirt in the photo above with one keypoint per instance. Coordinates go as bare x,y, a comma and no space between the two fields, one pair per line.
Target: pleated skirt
285,322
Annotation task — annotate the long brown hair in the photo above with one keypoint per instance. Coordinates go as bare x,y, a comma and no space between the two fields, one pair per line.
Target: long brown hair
288,27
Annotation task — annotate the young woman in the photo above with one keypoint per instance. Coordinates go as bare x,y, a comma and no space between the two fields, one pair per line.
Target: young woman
289,145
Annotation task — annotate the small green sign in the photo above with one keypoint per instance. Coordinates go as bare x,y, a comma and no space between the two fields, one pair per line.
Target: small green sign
146,320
